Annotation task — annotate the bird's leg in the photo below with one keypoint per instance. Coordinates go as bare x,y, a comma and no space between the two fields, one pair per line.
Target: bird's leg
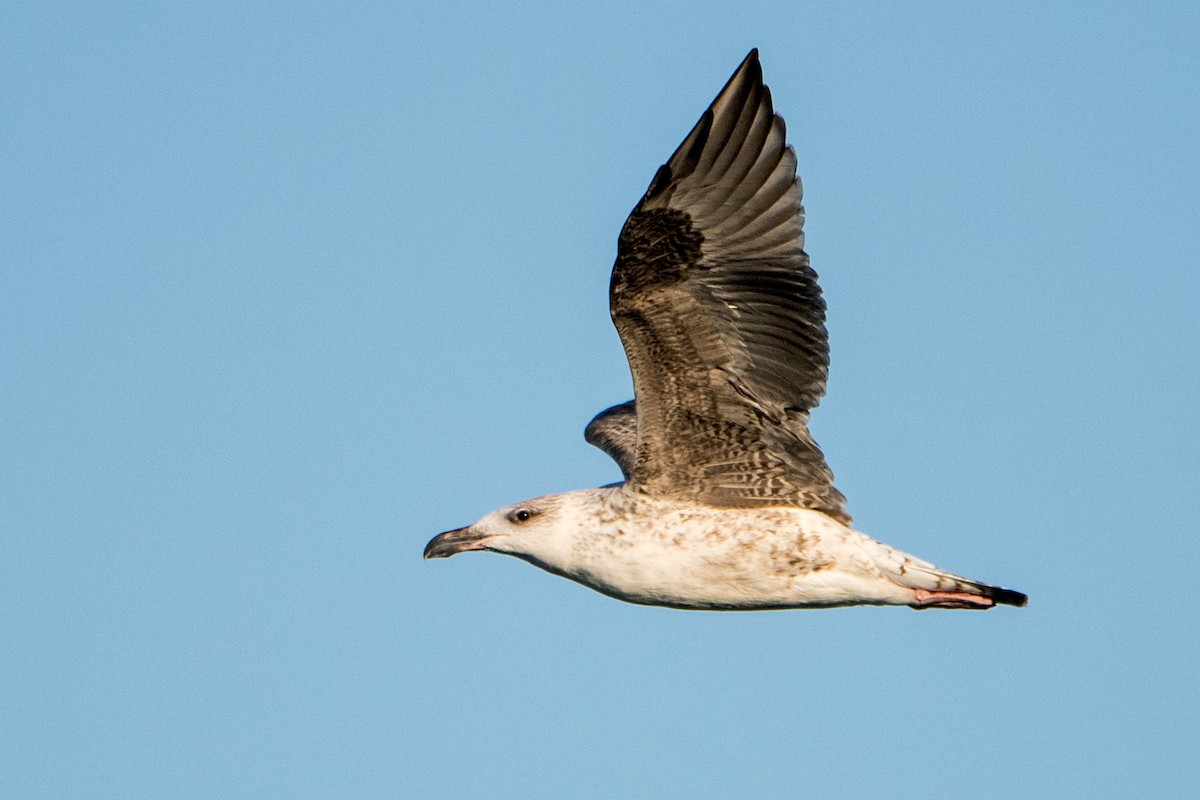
923,598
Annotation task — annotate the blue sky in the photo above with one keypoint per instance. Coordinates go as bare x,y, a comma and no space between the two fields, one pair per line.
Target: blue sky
286,289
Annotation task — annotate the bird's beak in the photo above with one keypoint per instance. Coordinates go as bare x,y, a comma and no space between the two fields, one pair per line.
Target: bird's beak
459,540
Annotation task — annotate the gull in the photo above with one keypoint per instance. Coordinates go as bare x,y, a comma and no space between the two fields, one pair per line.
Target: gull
727,503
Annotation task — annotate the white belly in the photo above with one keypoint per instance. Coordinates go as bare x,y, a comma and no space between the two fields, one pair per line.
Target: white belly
700,557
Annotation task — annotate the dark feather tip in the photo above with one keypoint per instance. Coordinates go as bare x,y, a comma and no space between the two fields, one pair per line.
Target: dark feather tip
1009,598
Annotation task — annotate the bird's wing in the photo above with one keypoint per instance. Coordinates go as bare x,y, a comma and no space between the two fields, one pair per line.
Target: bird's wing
614,430
721,316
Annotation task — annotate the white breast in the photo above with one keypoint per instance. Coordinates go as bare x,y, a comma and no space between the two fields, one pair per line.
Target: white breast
668,553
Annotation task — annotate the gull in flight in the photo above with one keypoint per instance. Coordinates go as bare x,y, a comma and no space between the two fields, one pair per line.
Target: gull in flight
727,503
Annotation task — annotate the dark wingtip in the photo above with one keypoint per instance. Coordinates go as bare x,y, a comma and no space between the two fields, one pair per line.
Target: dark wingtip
749,64
685,158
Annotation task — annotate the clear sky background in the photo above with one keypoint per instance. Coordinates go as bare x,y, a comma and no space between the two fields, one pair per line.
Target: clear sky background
286,289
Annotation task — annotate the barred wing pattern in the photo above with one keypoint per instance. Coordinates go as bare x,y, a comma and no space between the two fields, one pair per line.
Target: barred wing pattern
722,319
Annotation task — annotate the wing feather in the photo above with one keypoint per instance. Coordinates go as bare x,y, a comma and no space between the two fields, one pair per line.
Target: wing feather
722,319
614,430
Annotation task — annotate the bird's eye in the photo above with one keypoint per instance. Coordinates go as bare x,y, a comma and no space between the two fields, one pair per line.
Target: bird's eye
521,515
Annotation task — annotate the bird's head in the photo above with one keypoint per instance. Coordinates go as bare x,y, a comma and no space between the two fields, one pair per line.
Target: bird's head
540,530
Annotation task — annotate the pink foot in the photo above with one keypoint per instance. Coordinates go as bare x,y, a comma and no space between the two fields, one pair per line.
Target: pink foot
923,598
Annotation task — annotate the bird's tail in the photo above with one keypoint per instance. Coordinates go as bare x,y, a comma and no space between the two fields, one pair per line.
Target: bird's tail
936,588
955,591
933,587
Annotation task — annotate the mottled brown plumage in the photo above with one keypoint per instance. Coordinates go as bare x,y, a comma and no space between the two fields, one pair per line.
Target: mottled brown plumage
614,430
722,319
727,502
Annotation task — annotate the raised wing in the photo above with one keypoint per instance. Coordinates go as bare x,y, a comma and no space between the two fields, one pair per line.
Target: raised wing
721,316
614,430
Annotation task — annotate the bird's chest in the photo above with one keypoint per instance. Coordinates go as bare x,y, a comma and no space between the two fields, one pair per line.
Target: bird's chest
708,559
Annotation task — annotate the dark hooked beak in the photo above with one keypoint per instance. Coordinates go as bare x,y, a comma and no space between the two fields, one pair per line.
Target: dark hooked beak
459,540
